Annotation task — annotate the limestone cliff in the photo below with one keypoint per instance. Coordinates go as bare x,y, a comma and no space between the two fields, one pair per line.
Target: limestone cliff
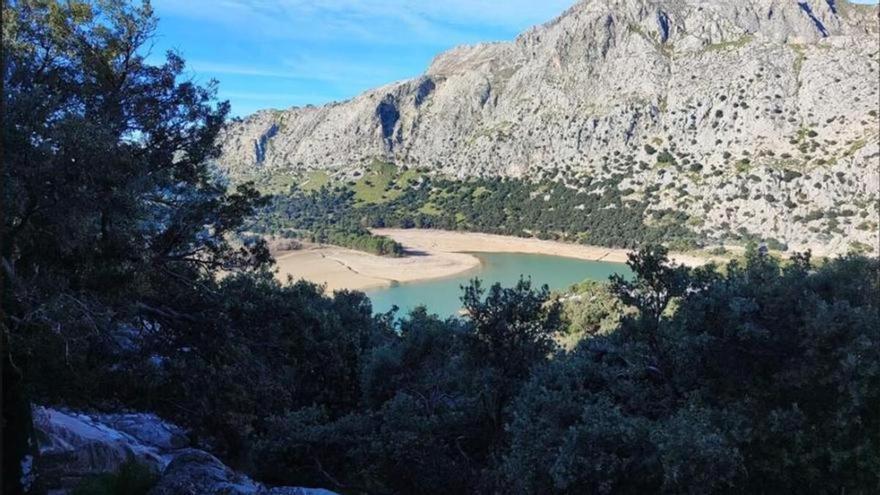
763,114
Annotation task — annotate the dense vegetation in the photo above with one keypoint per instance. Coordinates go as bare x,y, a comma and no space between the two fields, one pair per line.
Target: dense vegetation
759,378
321,216
589,213
108,201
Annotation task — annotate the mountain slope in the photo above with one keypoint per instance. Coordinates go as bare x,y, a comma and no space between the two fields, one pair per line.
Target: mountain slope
758,115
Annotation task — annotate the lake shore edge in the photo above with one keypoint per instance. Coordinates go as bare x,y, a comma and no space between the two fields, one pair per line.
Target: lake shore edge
432,254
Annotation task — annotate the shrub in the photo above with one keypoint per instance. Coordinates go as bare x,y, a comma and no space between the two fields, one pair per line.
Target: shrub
665,157
132,478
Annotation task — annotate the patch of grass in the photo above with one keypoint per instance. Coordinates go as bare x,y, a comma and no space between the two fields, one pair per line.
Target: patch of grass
480,191
375,185
665,158
730,45
383,182
500,132
743,166
800,57
315,180
270,183
855,146
430,209
857,247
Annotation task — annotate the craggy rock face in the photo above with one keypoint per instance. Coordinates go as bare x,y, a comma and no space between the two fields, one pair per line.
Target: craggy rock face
73,446
758,101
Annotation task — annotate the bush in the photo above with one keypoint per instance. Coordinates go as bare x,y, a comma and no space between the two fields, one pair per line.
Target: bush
718,395
665,157
790,175
776,244
132,478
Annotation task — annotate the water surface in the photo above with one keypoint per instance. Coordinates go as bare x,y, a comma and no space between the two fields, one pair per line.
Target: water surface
443,296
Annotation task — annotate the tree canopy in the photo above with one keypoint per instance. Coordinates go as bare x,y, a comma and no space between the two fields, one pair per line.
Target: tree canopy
109,199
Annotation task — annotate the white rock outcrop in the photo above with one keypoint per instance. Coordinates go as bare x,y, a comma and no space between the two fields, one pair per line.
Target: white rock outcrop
73,446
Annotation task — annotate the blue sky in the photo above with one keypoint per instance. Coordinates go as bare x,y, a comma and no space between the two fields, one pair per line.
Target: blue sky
280,53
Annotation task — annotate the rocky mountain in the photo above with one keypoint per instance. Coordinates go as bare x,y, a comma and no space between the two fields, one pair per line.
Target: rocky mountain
748,115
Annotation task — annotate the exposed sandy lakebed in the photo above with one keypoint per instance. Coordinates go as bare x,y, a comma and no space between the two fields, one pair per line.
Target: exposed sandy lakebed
432,254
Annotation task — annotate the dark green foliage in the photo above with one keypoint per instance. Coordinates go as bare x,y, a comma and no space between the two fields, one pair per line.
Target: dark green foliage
665,157
591,309
17,425
513,328
777,245
131,478
763,380
790,175
435,402
327,216
598,215
108,202
255,348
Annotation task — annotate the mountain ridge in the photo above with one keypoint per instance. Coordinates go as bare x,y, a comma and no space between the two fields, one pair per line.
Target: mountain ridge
728,92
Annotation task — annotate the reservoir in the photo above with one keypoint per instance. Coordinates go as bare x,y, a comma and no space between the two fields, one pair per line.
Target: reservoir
443,296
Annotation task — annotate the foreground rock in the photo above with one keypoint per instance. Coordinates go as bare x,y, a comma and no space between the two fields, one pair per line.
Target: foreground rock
759,115
196,472
74,446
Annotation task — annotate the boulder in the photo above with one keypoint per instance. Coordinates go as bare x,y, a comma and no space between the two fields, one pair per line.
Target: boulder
73,446
196,472
148,429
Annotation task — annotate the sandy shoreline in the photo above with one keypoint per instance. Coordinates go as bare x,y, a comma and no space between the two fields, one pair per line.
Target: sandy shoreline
434,254
340,268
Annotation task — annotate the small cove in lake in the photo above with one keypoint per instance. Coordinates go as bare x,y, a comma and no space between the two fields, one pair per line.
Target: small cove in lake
443,296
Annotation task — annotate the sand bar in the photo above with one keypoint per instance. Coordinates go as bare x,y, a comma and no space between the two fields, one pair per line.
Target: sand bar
433,254
339,268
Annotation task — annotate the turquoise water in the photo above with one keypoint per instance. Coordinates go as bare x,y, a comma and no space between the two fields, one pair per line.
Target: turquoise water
442,296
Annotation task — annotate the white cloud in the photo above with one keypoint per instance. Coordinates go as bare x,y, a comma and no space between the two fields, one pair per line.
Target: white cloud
239,70
260,96
304,67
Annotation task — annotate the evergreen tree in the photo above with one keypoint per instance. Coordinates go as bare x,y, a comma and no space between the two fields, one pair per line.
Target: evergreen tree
109,199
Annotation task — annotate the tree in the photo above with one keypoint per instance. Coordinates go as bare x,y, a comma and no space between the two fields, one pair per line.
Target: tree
591,309
512,331
775,372
108,193
657,283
